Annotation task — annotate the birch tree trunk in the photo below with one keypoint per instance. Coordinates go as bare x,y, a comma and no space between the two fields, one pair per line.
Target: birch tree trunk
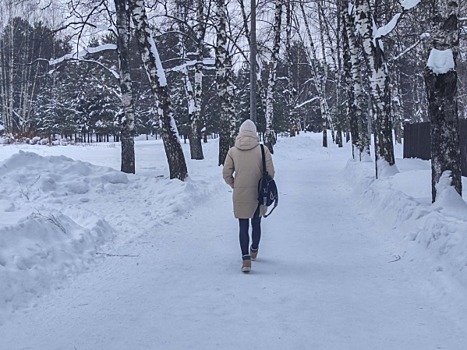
11,90
197,123
328,120
127,119
319,79
3,84
196,150
225,88
291,91
158,81
340,117
32,91
356,95
379,84
441,85
347,67
269,136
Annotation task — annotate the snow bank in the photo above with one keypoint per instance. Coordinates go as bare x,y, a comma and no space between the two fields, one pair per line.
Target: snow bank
48,178
403,202
59,215
41,249
44,237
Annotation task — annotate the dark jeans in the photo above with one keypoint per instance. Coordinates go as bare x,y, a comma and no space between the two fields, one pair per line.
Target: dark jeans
255,234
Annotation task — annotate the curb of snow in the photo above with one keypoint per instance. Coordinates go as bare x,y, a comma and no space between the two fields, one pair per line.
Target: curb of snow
440,229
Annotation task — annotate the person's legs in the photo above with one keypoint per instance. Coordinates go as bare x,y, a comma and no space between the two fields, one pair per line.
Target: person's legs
244,243
256,233
244,236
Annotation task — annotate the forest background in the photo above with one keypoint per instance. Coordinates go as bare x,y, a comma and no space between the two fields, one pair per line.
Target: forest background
76,71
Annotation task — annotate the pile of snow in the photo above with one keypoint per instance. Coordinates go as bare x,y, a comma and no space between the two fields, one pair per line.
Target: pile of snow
44,237
5,140
57,214
432,236
40,250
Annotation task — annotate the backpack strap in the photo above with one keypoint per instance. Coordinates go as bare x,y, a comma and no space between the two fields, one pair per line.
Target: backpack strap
264,160
276,202
274,207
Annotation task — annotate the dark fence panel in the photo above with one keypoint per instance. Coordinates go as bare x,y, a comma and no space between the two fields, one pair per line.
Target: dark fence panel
417,142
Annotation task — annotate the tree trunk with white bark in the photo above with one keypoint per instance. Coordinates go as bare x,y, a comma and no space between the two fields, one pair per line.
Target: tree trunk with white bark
127,117
157,79
225,88
270,136
356,95
197,123
441,85
379,84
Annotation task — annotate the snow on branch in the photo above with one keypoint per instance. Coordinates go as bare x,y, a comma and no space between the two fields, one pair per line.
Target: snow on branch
389,27
80,54
306,102
409,4
159,68
423,36
206,62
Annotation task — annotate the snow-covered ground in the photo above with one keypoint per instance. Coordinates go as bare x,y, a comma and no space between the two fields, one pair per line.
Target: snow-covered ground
91,258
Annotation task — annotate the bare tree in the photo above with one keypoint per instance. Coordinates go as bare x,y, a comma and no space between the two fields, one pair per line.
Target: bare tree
290,93
379,84
158,81
225,88
196,119
354,81
269,136
127,119
441,85
319,68
193,92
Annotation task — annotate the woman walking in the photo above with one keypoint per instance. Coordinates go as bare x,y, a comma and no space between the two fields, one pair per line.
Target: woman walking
243,168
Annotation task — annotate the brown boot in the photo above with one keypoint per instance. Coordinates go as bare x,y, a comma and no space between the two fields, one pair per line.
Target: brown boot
253,253
246,267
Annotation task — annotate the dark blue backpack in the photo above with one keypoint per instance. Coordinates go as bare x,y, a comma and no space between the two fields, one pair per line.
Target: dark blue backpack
267,189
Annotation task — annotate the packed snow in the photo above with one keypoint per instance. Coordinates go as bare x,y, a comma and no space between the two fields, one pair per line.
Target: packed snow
441,61
409,4
91,258
388,28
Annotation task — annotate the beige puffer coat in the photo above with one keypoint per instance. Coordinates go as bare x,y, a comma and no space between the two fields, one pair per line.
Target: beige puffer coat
242,171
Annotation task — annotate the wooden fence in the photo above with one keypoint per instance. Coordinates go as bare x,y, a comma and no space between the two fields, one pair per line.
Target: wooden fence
417,142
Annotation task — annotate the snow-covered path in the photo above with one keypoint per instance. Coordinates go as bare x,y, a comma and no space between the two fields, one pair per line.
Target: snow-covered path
326,278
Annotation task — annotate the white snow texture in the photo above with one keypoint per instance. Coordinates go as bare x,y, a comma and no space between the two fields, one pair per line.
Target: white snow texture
91,258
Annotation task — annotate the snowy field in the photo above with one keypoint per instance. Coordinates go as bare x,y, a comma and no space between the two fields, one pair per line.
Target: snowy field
91,258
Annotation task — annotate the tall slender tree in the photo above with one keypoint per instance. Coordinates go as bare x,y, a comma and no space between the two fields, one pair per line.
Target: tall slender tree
441,85
290,92
379,84
355,90
197,121
320,75
225,88
270,136
127,119
156,75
